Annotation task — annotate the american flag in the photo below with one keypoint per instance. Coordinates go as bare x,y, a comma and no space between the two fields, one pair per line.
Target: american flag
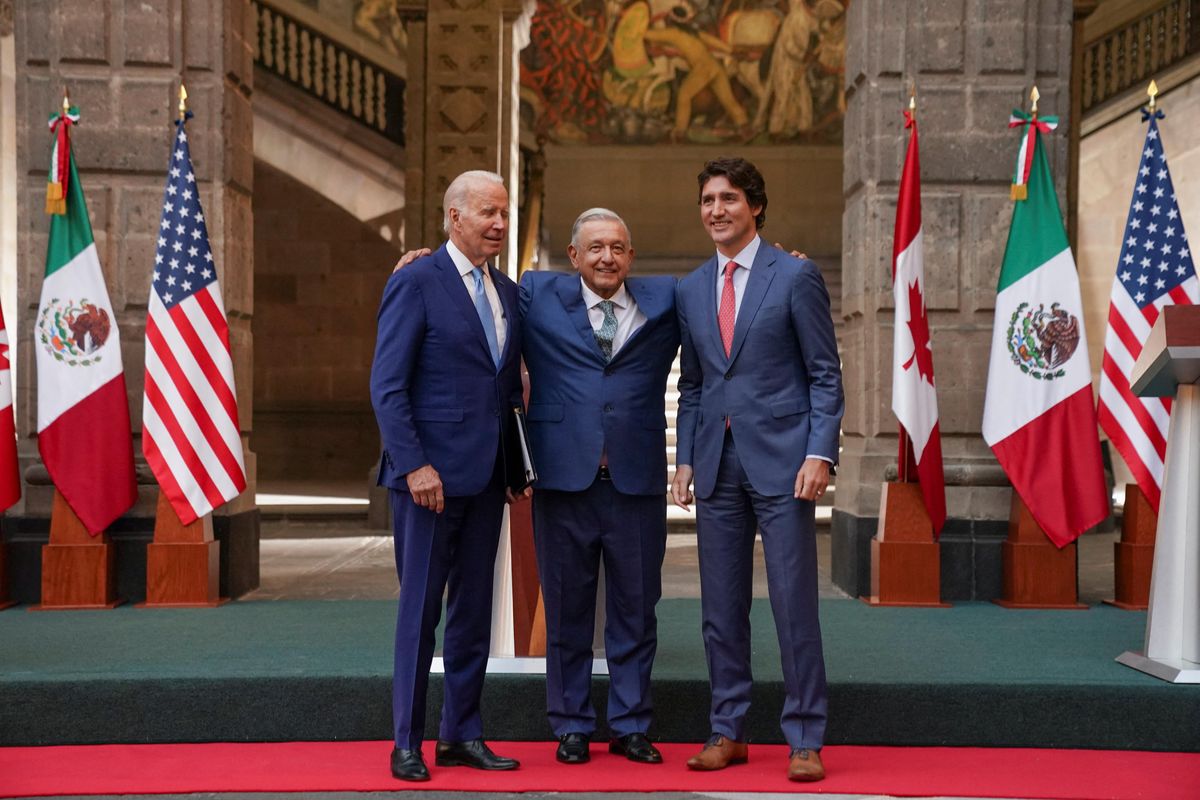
190,431
1155,270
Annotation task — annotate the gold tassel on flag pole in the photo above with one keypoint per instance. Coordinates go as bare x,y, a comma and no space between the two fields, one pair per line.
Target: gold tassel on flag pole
1019,190
56,190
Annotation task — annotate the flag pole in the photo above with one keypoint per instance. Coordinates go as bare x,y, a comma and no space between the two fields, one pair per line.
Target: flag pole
904,443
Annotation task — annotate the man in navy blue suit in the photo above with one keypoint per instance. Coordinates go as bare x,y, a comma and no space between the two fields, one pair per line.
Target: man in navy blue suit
445,378
759,413
599,346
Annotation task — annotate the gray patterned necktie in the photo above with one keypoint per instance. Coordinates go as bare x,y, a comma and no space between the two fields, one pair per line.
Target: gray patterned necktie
608,329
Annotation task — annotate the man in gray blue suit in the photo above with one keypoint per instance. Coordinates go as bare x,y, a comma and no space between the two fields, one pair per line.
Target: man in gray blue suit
759,413
599,347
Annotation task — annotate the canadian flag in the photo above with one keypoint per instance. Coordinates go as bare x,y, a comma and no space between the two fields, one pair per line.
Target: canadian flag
10,477
914,399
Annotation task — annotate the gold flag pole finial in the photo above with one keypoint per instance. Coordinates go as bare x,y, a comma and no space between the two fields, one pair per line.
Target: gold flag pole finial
66,101
1152,90
912,97
182,101
1034,95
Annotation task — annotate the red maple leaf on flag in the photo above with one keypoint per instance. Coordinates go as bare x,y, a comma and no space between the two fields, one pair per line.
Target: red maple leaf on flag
4,363
918,328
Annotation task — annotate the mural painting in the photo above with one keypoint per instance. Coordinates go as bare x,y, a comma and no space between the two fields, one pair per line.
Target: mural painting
705,71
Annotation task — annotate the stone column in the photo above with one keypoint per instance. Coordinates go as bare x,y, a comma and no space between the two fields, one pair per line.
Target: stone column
972,62
122,63
460,105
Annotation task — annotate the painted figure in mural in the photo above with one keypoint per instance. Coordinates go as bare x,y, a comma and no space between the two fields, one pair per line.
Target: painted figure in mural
560,73
380,19
788,97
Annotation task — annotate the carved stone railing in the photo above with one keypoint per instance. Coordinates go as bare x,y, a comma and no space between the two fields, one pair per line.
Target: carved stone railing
329,67
1126,42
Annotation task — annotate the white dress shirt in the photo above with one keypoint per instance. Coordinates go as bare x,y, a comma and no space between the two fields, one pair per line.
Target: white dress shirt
745,260
465,267
629,316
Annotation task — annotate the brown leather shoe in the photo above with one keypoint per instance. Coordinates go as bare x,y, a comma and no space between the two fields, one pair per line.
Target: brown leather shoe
718,753
805,765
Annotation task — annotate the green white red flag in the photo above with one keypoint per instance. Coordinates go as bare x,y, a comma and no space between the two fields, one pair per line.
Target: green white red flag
1038,416
914,398
83,414
10,474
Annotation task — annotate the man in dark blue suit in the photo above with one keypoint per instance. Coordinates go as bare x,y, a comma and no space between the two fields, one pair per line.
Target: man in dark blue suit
759,413
445,378
599,346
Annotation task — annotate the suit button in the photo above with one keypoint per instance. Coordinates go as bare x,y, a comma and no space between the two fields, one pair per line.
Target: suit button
608,407
608,370
728,376
495,412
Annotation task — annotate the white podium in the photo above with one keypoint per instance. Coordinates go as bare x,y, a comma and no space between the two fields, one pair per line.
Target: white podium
1170,366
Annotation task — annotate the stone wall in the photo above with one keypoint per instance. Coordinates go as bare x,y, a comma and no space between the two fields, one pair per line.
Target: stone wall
972,62
122,63
318,279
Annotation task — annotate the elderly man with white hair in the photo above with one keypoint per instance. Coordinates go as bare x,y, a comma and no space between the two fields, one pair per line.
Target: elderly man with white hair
445,378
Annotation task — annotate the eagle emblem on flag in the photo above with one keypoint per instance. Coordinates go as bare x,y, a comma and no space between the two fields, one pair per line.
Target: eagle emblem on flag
74,331
1041,340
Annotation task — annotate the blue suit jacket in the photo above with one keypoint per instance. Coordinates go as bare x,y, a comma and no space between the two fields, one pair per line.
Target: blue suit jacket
439,399
578,402
780,387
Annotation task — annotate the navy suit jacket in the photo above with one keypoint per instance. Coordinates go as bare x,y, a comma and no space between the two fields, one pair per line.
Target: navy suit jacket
439,398
780,387
578,402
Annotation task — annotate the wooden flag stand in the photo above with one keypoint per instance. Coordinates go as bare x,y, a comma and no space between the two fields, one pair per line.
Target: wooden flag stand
182,563
1036,573
529,628
1133,556
78,570
905,558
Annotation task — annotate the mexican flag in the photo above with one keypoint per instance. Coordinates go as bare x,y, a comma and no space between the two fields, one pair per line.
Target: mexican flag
83,415
1038,414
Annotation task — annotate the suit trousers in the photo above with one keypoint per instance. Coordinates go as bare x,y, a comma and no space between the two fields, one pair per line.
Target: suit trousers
572,532
456,548
725,526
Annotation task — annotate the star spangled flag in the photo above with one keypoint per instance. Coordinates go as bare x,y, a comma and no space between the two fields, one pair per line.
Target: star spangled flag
1155,269
83,414
190,431
1038,415
10,474
914,399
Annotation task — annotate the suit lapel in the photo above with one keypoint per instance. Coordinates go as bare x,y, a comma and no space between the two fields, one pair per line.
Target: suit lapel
648,302
761,275
709,272
454,286
571,296
506,290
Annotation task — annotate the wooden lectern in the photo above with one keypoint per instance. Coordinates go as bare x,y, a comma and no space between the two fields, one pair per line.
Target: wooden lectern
182,563
1170,366
78,570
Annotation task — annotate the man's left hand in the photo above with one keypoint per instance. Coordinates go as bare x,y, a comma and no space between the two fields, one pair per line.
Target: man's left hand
812,479
517,498
409,257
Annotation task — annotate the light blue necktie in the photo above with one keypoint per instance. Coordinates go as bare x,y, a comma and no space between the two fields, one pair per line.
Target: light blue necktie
608,329
484,309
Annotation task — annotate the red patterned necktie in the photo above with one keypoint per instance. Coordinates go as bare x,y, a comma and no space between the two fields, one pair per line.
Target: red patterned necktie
727,313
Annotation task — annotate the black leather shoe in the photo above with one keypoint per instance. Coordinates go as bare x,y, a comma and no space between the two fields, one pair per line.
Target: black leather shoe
475,754
573,749
409,765
636,747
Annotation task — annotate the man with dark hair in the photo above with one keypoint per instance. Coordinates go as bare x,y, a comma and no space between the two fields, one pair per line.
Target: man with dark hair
759,414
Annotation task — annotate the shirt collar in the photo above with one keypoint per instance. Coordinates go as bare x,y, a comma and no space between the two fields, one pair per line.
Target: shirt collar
590,298
744,259
461,262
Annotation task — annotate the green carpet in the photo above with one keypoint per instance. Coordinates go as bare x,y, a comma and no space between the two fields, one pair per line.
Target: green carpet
975,674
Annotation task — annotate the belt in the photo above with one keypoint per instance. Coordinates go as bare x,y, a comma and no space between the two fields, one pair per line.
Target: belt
603,473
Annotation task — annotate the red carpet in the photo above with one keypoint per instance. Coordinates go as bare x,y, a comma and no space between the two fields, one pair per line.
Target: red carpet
363,766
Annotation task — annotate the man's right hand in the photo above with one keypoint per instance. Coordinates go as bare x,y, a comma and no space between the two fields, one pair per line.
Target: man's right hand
425,486
681,486
409,257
